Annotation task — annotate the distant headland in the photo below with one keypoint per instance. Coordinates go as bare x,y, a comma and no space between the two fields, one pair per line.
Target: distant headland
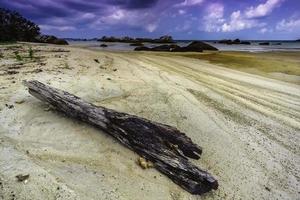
126,39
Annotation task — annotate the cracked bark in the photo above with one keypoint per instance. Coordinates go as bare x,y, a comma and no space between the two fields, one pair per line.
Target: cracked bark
165,146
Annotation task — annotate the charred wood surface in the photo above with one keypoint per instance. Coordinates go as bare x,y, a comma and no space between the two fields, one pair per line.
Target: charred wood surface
165,146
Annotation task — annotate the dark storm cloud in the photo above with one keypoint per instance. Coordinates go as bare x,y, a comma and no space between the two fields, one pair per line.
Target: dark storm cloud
37,9
144,15
134,4
83,6
79,11
196,17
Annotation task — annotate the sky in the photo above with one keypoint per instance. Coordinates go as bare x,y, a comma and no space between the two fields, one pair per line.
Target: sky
182,19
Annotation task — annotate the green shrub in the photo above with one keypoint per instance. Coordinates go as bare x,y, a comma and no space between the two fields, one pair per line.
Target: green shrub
30,53
18,57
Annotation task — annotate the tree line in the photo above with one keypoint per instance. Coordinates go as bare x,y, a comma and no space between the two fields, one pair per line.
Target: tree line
14,27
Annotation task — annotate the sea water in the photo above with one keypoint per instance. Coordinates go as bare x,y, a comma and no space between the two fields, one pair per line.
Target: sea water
254,47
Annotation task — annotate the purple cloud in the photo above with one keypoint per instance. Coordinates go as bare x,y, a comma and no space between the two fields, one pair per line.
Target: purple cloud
181,18
186,3
70,13
134,4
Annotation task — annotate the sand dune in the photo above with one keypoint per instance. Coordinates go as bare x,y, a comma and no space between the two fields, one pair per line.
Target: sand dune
248,126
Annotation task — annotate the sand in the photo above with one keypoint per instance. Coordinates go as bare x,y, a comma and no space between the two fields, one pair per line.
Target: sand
248,126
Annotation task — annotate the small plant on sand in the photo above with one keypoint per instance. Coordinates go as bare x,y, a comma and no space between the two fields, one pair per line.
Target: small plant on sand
18,57
30,53
67,66
96,60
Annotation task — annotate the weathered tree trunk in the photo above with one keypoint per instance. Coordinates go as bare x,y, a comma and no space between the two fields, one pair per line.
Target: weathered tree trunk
165,146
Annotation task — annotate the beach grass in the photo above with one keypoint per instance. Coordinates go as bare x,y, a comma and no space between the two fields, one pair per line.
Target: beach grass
30,53
18,56
266,64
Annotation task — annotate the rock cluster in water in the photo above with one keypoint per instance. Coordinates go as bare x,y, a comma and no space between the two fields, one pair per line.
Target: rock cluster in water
236,41
50,39
195,46
162,39
137,44
264,43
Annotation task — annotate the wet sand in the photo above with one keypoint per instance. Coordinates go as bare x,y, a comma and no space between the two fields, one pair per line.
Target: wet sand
247,124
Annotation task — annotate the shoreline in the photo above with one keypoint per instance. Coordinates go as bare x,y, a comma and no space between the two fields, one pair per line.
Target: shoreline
247,124
254,47
278,70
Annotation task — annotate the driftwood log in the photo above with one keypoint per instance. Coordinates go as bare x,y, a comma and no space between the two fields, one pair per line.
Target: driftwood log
166,147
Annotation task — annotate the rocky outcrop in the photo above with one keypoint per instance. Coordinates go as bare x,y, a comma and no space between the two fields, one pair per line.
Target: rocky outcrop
81,39
166,47
137,44
108,39
103,45
144,40
50,39
225,42
162,39
236,41
264,43
142,49
60,42
195,46
198,46
245,42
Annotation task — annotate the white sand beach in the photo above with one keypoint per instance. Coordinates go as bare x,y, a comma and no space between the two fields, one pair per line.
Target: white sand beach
247,124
